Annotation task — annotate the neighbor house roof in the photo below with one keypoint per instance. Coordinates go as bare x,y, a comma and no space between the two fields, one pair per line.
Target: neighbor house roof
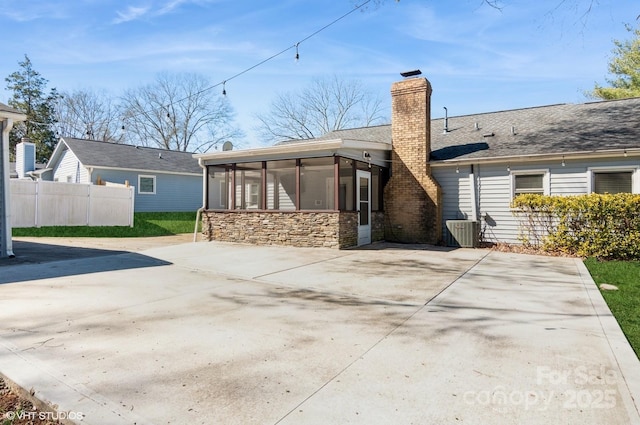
97,154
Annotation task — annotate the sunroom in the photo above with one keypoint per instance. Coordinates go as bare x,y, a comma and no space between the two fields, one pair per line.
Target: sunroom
302,193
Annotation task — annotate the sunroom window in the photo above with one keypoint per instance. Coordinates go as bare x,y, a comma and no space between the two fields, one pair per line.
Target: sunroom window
248,186
317,184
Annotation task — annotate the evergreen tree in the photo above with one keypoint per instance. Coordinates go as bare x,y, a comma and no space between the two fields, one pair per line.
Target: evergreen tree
29,97
625,67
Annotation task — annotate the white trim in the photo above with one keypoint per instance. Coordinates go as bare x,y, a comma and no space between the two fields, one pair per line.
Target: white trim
143,176
144,170
546,179
295,150
473,195
635,177
613,153
364,231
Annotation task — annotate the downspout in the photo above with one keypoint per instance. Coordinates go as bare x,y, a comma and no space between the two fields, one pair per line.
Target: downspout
6,244
474,195
204,198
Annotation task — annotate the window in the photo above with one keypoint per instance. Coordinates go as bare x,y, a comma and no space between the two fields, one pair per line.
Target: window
614,180
219,193
248,185
347,185
147,185
317,184
281,185
534,181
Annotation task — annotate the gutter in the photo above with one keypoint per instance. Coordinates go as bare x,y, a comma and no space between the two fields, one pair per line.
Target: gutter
330,146
6,244
632,152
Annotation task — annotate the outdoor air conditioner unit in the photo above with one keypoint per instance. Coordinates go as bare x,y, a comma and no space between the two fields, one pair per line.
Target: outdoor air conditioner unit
462,233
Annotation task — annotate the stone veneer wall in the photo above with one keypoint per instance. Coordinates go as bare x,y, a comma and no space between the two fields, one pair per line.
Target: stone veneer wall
295,228
377,226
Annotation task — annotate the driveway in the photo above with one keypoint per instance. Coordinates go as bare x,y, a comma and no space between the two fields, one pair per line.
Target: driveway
233,334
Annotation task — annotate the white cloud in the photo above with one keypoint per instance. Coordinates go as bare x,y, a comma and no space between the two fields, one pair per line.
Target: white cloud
132,13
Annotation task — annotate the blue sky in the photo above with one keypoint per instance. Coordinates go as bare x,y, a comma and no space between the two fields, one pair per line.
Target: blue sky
477,58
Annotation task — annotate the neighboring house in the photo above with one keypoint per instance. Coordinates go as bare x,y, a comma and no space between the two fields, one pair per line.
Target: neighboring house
165,180
403,182
8,116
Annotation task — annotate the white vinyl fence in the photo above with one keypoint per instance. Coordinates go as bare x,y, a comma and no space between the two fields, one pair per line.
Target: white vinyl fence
44,203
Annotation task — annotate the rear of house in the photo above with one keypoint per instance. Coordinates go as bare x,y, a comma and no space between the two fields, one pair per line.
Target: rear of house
483,161
410,181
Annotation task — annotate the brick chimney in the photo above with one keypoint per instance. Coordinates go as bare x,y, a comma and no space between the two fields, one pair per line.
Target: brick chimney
412,197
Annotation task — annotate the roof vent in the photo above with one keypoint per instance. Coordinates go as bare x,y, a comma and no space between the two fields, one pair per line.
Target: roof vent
446,120
476,126
159,155
488,134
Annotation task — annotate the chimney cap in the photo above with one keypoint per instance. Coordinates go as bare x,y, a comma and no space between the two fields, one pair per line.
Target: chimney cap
411,73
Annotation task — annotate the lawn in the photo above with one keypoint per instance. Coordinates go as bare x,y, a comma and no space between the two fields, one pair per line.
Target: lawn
144,224
624,303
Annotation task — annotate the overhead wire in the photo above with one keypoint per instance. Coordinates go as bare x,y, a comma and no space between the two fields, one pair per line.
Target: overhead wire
270,58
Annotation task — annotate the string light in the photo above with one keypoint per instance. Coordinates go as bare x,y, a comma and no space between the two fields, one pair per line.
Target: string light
297,57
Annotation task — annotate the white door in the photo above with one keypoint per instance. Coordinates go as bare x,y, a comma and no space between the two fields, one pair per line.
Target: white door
363,190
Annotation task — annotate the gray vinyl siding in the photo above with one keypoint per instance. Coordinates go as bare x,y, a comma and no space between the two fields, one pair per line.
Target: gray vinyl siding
456,192
70,170
497,223
174,192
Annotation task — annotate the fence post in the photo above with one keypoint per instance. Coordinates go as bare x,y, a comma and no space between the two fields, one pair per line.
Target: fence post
133,203
88,221
36,208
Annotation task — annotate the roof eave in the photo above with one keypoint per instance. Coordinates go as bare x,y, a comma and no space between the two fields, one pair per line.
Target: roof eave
144,170
291,150
609,153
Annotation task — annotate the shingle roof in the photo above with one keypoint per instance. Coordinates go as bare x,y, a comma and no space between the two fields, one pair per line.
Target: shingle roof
9,109
554,129
113,155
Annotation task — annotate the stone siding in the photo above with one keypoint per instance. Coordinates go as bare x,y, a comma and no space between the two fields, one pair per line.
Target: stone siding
330,229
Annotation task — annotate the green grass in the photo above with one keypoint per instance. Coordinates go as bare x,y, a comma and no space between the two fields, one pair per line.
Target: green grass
144,224
624,303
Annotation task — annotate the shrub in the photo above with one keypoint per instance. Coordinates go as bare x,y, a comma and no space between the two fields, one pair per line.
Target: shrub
603,226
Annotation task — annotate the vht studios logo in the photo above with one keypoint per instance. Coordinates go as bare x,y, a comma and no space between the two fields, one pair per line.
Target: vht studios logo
43,416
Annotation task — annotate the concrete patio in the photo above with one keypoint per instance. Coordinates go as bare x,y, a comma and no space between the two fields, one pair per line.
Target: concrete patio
224,333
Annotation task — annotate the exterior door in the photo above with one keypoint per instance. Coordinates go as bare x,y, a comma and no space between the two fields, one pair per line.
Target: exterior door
363,191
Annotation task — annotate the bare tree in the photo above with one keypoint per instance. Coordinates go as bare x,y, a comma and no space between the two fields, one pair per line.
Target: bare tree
327,104
178,112
89,114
